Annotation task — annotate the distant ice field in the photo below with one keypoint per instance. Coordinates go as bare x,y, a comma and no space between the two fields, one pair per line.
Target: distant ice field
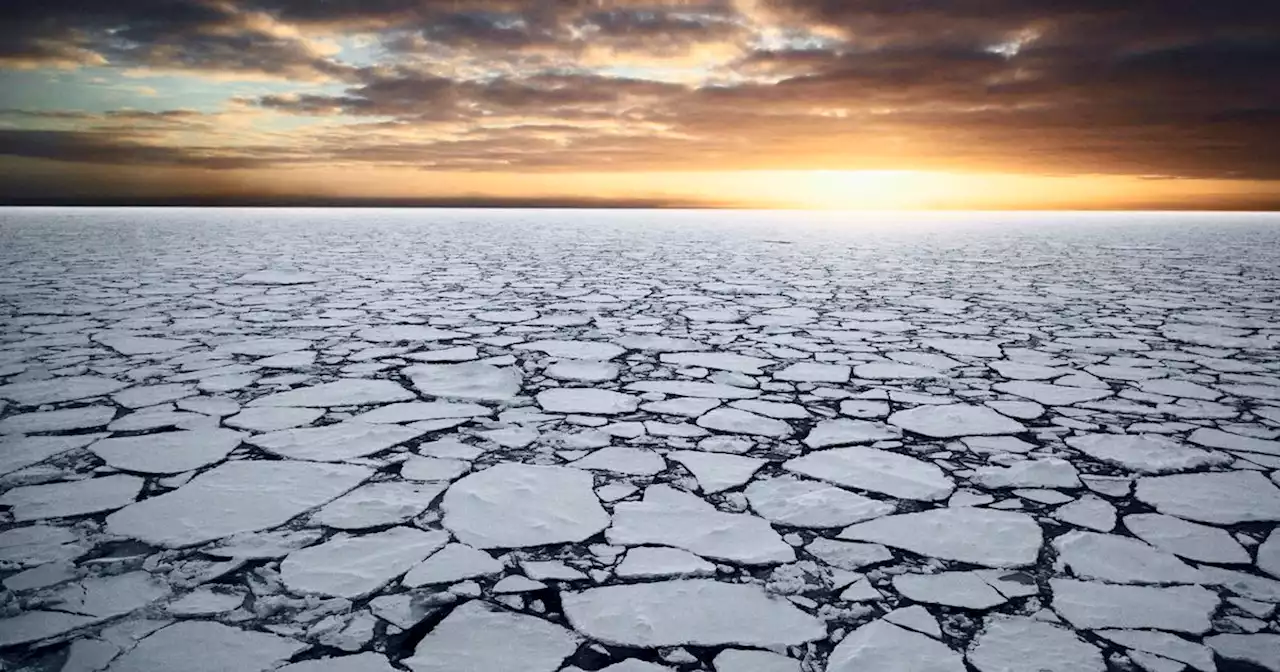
367,440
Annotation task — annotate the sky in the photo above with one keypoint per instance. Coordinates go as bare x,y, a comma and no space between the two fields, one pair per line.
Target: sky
867,104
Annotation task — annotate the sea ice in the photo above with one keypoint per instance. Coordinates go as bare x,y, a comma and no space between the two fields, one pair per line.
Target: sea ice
353,567
699,612
167,452
966,534
238,496
512,505
955,420
877,471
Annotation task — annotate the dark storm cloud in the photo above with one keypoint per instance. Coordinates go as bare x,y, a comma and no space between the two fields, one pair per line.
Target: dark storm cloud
1178,87
110,149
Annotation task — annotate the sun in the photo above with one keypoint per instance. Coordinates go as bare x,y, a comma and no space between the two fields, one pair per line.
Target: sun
843,189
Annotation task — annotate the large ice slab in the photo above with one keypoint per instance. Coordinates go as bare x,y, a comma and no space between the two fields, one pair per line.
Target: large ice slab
1091,605
345,392
513,505
479,638
353,567
877,471
885,647
1148,454
204,646
58,390
239,496
671,518
334,443
588,400
1010,643
952,420
1117,559
1221,498
167,452
17,452
698,612
790,501
978,536
76,498
474,381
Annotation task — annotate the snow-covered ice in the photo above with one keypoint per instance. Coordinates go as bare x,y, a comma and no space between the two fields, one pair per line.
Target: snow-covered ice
702,612
514,505
638,442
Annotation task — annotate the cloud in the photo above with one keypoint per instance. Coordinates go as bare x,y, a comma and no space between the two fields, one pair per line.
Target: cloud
1170,87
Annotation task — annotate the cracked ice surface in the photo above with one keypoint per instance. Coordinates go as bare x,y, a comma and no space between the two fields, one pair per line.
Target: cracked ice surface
711,442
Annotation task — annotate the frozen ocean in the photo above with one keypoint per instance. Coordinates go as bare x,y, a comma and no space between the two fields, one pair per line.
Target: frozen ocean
354,440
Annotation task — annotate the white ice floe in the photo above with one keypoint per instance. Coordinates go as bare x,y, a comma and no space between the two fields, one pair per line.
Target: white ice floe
1117,559
717,472
586,400
281,276
841,432
649,562
377,505
955,420
470,381
35,625
952,589
1269,554
394,333
238,496
453,563
893,371
74,498
1216,438
582,371
566,349
1050,472
1220,498
1090,605
964,347
772,409
39,544
885,647
1147,453
1261,649
204,602
344,392
433,468
737,421
744,660
1089,512
262,347
167,452
699,612
273,418
142,396
812,372
334,443
67,419
670,518
1186,539
877,471
353,567
978,536
848,555
1165,645
723,361
513,505
298,359
1011,643
58,390
481,638
623,460
1051,395
798,503
205,646
17,452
